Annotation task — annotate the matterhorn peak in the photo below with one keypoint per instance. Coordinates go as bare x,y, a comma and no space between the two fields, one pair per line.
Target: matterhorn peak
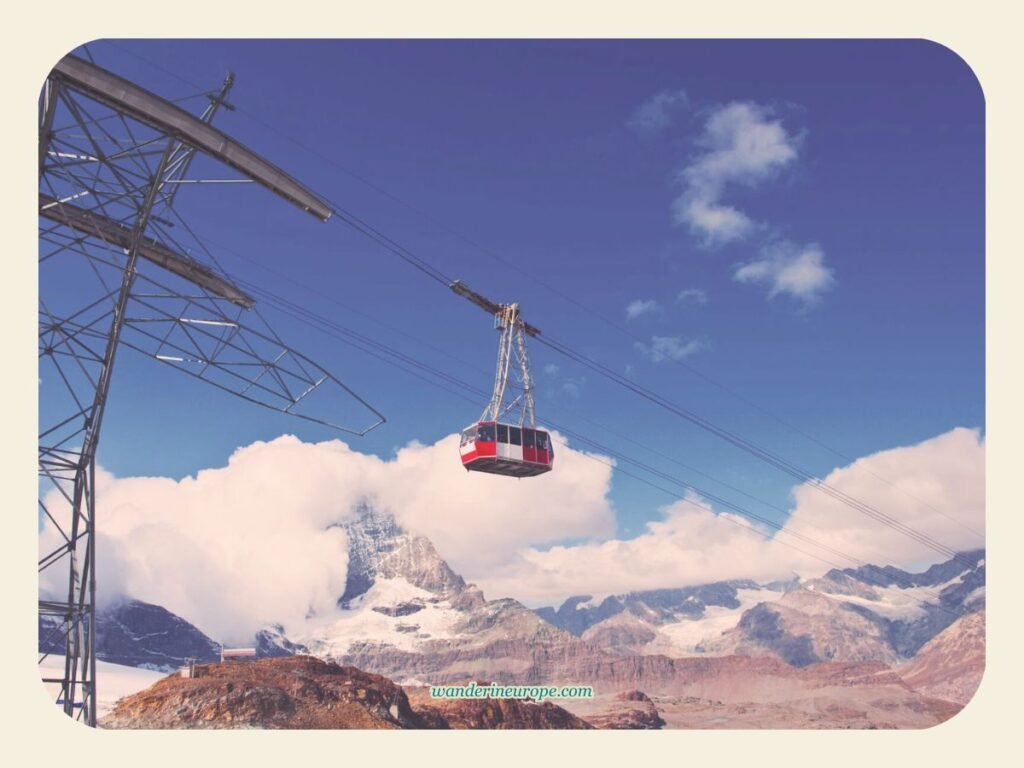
379,548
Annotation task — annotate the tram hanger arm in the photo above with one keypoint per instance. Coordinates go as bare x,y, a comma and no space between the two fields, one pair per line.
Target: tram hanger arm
487,305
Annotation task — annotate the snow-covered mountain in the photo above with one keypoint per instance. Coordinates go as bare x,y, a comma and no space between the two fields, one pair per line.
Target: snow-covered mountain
870,613
378,549
671,621
138,634
404,608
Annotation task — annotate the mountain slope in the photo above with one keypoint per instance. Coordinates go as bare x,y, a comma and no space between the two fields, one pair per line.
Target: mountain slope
951,664
379,549
402,602
138,634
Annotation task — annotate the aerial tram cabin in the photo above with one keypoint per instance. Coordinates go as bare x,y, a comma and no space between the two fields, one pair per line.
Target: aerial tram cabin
505,440
506,449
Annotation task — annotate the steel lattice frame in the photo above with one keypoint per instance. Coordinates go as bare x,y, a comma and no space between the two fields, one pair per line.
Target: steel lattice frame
115,272
512,344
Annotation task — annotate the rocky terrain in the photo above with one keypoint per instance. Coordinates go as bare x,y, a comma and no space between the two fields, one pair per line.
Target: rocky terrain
300,692
627,710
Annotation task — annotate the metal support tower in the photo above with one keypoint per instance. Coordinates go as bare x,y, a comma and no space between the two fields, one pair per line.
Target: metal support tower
117,270
511,345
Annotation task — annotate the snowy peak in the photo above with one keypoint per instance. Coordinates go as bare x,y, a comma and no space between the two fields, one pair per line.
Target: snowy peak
873,612
379,548
655,606
940,573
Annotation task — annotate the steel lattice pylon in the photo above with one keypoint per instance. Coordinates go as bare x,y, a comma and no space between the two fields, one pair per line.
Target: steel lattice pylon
116,271
512,344
509,322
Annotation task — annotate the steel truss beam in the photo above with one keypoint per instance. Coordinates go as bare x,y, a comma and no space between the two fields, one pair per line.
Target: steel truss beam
130,99
115,233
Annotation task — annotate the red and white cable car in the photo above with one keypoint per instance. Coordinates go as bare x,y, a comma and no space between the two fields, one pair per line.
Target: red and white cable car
497,444
505,449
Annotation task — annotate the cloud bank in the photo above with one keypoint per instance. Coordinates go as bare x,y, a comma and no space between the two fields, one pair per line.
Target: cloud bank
692,544
257,541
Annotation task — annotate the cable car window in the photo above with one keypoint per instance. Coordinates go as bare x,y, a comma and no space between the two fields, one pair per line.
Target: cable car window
487,433
515,435
468,435
502,433
529,438
542,441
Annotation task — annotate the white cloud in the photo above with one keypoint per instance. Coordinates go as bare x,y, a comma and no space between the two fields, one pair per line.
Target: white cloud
696,295
664,348
692,544
788,268
641,307
551,369
945,475
256,541
741,144
656,114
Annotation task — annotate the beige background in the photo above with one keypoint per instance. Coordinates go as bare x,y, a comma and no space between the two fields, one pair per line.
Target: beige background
985,34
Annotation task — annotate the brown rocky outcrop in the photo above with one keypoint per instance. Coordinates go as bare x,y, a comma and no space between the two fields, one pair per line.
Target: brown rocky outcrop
628,710
301,692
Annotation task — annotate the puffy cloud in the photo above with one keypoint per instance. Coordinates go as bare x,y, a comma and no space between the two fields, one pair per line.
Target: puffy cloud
936,486
696,295
791,269
656,114
690,545
256,541
641,307
477,520
741,144
664,348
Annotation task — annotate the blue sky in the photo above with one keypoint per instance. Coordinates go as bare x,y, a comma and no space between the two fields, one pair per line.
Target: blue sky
536,151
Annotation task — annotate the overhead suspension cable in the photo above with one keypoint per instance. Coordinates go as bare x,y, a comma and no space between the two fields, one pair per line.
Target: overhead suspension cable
421,370
753,449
